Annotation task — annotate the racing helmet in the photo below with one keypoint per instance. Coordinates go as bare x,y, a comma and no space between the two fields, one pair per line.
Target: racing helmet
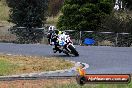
51,28
58,32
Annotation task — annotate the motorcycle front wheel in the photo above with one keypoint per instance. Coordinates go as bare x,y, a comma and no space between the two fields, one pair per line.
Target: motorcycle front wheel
73,50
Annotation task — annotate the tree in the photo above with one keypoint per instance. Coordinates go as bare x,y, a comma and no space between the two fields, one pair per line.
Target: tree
30,14
115,23
84,14
128,4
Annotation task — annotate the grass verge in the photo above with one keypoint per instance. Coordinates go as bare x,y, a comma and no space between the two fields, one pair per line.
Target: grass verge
56,83
10,65
74,85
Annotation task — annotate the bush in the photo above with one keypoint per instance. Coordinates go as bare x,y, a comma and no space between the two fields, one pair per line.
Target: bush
83,14
27,35
30,14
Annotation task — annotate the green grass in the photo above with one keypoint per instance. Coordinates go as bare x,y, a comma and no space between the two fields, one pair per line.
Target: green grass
57,83
71,83
6,67
4,11
74,85
52,20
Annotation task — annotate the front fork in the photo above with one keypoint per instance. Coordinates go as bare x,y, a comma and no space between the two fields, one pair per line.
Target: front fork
68,46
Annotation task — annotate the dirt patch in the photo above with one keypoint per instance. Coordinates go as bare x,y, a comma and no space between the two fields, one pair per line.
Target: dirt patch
44,83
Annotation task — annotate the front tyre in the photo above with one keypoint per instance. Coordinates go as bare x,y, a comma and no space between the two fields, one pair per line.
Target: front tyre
73,50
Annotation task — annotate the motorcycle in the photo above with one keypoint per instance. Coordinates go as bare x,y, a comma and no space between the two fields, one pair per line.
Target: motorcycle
66,45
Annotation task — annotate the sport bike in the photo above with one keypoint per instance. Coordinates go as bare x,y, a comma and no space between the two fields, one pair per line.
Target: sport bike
66,45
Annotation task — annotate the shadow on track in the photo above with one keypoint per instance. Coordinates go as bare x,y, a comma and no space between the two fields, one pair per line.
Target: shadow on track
62,56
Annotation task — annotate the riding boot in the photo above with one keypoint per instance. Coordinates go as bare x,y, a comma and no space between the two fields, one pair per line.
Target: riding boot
54,50
57,49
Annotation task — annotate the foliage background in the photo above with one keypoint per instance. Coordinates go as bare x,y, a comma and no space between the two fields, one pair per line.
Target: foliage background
30,14
84,14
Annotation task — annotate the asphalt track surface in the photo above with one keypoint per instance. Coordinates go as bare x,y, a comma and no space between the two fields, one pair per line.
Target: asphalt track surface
101,59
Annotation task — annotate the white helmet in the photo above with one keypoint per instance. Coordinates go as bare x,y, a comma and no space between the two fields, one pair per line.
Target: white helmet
51,28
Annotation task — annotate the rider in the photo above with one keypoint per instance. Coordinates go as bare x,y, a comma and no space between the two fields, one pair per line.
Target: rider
55,41
52,39
50,33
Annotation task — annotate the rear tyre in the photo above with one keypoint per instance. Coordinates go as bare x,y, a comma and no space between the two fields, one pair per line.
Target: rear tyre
73,50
